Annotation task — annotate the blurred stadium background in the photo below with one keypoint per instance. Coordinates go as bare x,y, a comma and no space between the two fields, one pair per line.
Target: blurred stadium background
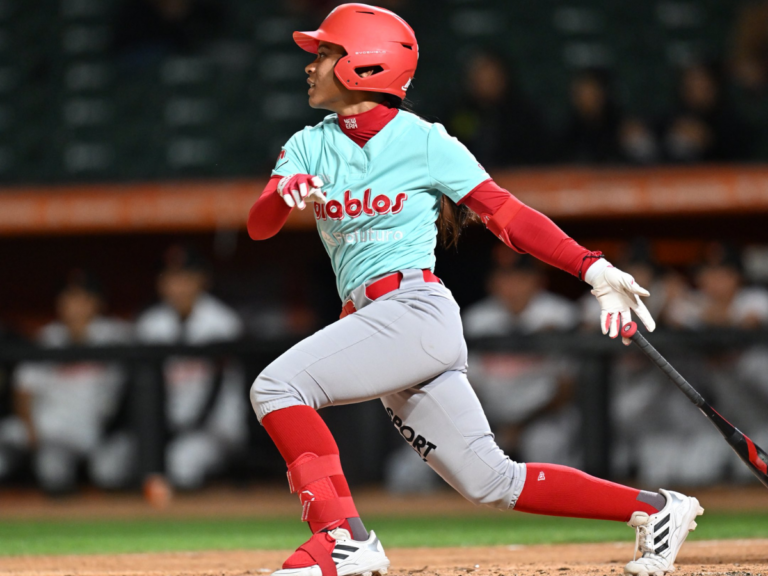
135,311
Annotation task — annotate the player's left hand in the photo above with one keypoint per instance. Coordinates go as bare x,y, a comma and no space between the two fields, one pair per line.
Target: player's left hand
618,294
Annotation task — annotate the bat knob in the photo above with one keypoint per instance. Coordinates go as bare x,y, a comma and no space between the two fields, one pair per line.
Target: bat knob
628,330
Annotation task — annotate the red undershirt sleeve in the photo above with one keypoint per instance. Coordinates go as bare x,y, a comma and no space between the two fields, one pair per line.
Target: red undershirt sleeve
269,212
527,231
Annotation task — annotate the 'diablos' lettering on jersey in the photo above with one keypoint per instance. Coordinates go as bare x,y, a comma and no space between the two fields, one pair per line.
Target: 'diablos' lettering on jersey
354,207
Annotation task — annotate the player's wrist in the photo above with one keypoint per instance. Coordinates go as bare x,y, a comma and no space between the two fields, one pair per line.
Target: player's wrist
596,270
284,181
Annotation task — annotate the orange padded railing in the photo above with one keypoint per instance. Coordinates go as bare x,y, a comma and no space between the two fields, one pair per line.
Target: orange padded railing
558,192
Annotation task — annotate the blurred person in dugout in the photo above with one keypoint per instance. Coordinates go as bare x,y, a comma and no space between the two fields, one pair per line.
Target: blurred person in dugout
205,400
654,438
597,131
738,378
67,407
703,126
495,120
527,397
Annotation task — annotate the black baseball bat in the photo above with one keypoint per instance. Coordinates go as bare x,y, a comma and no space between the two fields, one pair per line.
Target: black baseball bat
749,452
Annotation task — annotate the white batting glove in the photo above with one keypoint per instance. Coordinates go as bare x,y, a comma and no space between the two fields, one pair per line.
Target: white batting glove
299,189
618,293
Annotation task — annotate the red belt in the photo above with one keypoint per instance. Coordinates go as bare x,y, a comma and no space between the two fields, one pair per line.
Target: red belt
384,286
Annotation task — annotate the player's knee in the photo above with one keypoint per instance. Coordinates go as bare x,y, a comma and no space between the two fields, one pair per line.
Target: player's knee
485,495
270,393
497,484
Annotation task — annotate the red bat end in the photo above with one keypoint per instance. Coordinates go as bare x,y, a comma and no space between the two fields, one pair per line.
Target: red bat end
629,330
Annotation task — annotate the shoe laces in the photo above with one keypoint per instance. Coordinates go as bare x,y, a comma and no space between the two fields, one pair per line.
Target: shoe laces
642,540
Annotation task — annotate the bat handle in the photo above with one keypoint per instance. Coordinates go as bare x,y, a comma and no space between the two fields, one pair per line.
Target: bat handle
630,331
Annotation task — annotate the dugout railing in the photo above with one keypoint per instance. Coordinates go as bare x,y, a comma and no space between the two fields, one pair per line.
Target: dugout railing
595,355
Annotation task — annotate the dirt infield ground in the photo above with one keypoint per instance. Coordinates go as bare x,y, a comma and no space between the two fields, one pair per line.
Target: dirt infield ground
721,558
732,558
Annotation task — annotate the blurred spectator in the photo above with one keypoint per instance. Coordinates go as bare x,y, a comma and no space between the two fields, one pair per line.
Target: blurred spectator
146,30
526,396
703,127
738,380
722,299
750,54
593,132
495,120
66,407
205,401
597,132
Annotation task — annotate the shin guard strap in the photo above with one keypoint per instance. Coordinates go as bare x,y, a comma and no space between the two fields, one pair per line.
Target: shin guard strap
319,554
316,469
324,511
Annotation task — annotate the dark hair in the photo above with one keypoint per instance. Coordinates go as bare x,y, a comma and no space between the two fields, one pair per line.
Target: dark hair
84,280
452,218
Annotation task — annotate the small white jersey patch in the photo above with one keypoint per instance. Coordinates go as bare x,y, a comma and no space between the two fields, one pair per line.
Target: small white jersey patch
541,476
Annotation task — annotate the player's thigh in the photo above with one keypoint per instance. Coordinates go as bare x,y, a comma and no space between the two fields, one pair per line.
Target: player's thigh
387,346
445,423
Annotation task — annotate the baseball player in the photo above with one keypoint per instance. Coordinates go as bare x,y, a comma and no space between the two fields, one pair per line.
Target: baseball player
383,183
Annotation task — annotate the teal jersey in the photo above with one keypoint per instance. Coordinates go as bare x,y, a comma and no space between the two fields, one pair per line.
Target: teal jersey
383,198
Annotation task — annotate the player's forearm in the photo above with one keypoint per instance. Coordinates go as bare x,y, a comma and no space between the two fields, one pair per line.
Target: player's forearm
269,213
525,230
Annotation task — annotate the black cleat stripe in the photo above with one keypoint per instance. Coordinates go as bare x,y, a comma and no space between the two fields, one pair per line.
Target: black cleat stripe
347,548
661,548
339,556
661,536
661,524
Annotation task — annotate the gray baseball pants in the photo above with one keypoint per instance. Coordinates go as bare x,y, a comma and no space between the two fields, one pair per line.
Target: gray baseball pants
408,349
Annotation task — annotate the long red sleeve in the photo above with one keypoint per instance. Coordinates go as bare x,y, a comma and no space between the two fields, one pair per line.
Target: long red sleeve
529,231
269,212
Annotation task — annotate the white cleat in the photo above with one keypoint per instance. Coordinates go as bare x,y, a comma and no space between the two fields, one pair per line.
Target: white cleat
351,557
660,536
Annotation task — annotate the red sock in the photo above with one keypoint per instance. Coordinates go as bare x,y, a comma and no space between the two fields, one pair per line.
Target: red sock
561,491
300,433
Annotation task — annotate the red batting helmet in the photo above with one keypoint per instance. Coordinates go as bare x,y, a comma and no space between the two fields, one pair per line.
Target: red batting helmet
372,37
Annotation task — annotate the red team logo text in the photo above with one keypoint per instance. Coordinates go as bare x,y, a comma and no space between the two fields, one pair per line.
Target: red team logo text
354,207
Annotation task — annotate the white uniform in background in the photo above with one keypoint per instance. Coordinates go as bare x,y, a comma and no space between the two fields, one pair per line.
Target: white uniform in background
657,428
513,387
193,453
71,403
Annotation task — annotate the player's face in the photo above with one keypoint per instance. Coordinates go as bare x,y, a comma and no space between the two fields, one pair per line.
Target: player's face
181,288
325,90
76,308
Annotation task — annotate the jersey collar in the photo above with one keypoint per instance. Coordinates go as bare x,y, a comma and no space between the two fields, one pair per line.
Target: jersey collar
362,127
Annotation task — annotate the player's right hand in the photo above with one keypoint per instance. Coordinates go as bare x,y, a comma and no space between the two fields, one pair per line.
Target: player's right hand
619,296
299,189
